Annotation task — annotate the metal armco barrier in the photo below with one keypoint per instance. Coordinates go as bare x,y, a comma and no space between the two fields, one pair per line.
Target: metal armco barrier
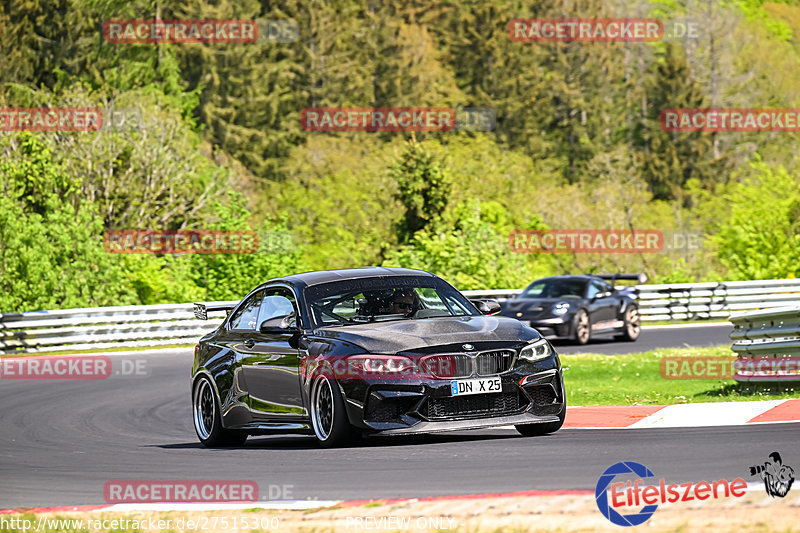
154,325
769,341
102,328
696,301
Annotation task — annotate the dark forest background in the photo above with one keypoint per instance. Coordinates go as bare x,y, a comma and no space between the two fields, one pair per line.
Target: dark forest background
219,145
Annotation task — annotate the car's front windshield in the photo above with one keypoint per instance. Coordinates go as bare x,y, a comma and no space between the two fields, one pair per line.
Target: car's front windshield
378,299
555,288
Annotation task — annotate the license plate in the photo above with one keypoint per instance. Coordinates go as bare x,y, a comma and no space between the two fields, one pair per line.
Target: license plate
463,387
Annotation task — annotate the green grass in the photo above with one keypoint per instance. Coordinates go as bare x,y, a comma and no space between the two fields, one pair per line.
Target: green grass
635,379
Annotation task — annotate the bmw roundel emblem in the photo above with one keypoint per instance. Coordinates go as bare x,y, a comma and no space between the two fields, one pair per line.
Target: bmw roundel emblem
468,347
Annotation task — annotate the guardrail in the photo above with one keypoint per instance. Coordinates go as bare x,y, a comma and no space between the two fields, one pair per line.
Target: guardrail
154,325
102,328
696,301
767,344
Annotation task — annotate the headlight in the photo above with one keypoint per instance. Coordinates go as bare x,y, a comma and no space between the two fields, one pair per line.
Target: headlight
380,365
536,351
561,308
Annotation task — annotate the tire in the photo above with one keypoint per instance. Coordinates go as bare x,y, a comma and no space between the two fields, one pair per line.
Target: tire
206,415
632,326
537,430
581,327
328,415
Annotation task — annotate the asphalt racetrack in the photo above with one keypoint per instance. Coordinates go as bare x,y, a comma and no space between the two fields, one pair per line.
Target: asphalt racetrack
62,440
653,337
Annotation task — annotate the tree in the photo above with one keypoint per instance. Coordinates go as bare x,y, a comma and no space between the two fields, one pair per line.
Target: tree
51,247
424,188
760,238
471,250
670,159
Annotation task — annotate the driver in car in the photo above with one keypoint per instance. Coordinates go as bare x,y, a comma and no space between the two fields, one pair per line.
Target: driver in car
402,303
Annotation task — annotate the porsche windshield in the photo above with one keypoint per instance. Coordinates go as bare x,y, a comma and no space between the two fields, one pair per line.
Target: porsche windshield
555,288
364,300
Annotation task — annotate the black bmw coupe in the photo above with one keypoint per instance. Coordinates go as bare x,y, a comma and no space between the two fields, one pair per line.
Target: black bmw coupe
339,354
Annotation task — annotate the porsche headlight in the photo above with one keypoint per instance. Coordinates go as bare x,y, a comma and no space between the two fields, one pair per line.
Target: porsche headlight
561,308
536,351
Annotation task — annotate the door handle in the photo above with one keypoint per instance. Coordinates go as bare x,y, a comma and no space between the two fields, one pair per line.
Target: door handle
249,343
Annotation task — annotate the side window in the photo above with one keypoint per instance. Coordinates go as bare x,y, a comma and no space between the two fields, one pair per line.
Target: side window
455,306
278,302
246,317
447,304
597,287
431,299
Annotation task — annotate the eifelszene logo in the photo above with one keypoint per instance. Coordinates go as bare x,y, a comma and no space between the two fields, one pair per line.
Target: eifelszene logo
631,494
601,494
778,477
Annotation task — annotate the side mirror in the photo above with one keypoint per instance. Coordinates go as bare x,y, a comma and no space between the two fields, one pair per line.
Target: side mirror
487,307
278,324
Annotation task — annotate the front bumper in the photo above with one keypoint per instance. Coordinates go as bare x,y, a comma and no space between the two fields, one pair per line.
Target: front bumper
552,328
480,423
426,406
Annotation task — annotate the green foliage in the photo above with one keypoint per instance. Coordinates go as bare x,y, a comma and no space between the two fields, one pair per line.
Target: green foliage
471,250
754,10
671,159
51,248
761,237
339,199
577,144
151,172
163,279
231,276
423,188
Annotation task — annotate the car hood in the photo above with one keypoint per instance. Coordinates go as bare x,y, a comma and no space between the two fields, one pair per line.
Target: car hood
409,335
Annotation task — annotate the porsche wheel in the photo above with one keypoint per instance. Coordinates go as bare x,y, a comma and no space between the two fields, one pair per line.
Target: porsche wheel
632,324
328,416
208,420
582,327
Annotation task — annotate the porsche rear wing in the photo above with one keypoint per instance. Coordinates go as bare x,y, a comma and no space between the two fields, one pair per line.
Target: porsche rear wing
201,310
641,278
